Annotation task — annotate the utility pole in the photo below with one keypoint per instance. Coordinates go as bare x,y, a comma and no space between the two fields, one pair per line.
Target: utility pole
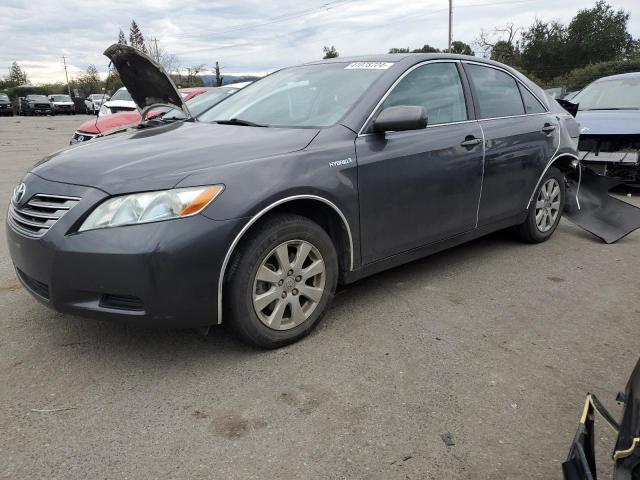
155,41
66,75
450,23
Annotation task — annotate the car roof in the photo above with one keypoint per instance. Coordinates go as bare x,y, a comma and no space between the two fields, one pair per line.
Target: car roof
406,58
619,76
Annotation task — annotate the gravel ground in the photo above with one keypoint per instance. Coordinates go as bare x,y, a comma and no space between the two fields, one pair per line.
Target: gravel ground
494,342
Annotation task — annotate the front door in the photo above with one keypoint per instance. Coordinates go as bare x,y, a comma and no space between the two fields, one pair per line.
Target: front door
421,186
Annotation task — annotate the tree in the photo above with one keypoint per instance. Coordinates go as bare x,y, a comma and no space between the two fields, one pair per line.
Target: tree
16,76
219,78
88,83
461,48
426,49
192,79
544,51
121,38
330,52
399,50
599,34
136,39
500,44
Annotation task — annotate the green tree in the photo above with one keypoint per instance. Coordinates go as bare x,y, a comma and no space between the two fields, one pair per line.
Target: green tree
426,49
88,83
219,78
505,52
544,51
399,50
330,52
16,76
461,48
599,34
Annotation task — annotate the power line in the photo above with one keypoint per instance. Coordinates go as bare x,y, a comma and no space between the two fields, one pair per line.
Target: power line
281,18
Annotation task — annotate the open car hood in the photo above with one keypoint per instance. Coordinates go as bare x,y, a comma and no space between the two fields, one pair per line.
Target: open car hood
146,80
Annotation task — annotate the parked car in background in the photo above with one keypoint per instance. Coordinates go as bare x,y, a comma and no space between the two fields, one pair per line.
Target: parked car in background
197,100
94,101
6,108
315,175
609,116
120,102
62,104
569,95
35,105
554,92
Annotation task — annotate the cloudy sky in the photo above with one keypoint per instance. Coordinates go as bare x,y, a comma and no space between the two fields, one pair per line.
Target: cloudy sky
252,36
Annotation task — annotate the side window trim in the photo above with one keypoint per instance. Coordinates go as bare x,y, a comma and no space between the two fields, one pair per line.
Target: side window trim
518,83
376,110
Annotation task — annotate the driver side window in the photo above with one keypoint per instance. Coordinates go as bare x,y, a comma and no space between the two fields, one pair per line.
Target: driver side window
436,87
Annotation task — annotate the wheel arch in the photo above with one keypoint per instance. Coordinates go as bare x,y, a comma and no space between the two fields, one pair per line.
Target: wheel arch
324,212
564,163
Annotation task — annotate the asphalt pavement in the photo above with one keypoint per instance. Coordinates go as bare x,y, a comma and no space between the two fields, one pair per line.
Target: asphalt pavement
470,364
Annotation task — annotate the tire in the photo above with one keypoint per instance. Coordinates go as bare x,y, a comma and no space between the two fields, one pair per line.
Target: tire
290,315
545,210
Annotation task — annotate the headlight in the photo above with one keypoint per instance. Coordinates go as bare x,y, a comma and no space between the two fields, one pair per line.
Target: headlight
104,110
151,207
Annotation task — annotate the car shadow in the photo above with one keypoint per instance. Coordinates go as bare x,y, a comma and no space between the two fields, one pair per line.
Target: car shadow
77,334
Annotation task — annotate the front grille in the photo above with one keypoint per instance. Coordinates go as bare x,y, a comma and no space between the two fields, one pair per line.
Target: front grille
79,137
39,288
42,105
39,214
122,302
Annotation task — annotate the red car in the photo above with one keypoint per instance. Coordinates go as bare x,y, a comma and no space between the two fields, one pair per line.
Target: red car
101,125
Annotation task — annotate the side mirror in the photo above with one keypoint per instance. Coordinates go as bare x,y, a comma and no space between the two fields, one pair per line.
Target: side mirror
400,118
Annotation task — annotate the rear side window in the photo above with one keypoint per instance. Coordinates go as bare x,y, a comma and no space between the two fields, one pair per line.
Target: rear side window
497,93
436,87
531,103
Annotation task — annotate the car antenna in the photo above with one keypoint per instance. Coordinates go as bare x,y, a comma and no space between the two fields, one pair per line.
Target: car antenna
104,92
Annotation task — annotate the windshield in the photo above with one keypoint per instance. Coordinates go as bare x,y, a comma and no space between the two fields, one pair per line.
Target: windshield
37,98
308,96
4,96
60,98
122,94
619,94
97,96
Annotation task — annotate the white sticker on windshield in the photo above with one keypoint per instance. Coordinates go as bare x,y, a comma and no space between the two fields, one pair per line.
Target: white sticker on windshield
368,65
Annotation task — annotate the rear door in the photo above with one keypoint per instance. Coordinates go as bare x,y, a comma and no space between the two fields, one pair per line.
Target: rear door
420,186
520,138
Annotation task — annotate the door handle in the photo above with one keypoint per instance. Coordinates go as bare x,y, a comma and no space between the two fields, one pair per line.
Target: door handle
471,142
548,128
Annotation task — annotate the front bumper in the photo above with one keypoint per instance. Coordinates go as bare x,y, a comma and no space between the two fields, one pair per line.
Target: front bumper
162,274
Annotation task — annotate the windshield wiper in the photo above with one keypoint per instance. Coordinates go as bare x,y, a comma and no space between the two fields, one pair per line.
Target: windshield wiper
238,121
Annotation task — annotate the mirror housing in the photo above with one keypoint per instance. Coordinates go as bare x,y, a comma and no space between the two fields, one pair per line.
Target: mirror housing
400,118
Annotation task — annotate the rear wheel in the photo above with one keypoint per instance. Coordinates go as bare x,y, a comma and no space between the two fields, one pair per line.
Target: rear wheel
545,210
281,281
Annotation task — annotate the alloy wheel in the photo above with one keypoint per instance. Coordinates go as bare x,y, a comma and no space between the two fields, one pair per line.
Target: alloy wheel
289,284
548,205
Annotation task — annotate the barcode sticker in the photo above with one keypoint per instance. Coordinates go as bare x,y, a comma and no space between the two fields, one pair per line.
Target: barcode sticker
368,65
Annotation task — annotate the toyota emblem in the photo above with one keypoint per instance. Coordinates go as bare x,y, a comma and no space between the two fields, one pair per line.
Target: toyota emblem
18,193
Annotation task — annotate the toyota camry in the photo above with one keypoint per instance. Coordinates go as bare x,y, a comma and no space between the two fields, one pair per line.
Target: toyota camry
316,175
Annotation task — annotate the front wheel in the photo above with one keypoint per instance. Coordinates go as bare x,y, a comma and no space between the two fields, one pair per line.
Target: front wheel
281,281
545,210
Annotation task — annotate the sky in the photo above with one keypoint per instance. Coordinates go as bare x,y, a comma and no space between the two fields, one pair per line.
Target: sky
252,36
